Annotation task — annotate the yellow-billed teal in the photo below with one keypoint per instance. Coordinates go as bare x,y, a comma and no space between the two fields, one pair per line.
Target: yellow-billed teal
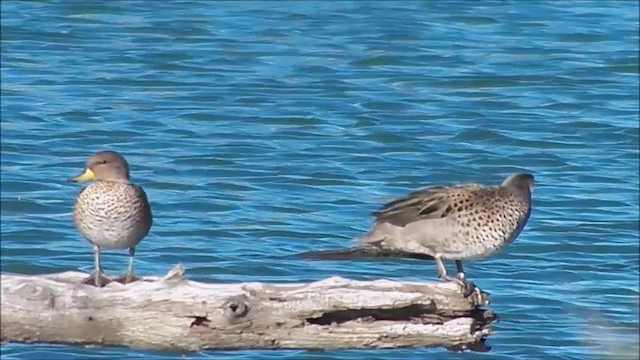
458,222
111,213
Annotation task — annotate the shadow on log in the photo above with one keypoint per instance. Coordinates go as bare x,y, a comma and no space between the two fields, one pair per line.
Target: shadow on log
175,314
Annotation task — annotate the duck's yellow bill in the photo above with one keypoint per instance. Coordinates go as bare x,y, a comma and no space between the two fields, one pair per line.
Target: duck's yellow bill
87,175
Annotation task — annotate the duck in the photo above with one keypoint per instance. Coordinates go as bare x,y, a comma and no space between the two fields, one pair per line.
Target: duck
111,212
454,222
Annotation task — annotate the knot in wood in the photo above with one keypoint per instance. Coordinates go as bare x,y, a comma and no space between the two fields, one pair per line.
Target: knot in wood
236,307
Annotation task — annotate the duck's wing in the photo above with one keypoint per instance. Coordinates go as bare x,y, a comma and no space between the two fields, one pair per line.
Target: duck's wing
430,203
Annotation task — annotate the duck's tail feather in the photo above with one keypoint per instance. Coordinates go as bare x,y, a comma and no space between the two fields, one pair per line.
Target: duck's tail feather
364,252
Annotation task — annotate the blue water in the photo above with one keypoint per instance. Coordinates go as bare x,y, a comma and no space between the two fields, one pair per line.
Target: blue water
264,129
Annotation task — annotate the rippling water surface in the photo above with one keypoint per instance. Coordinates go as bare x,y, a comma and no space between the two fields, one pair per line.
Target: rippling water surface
266,129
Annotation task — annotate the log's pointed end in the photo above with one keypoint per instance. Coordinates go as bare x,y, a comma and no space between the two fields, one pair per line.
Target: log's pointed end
175,274
477,297
478,346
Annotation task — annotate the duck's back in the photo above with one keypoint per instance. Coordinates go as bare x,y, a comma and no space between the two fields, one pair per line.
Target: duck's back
459,222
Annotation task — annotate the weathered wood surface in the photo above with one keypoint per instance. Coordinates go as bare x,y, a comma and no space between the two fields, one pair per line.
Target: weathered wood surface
175,314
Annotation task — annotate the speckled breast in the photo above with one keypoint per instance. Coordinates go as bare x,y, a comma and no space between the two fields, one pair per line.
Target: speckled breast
112,215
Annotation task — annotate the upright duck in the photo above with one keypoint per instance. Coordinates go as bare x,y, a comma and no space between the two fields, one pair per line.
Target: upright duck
457,222
111,213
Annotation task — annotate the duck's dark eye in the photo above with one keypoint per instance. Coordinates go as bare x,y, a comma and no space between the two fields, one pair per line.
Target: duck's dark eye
103,162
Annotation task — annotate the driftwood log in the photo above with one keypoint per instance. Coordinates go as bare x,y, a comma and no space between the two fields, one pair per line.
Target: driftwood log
175,314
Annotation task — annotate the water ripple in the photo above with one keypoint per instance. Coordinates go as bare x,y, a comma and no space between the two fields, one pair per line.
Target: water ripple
283,126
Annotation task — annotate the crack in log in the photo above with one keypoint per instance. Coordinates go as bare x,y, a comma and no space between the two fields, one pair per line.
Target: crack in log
395,314
200,321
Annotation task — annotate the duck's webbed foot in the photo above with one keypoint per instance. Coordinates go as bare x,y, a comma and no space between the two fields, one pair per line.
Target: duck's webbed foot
467,286
127,278
97,279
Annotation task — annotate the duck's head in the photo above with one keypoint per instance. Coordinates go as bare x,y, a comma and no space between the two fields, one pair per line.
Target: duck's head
520,182
105,166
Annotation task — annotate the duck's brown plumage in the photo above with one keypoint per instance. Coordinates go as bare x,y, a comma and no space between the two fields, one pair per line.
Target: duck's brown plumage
455,222
111,212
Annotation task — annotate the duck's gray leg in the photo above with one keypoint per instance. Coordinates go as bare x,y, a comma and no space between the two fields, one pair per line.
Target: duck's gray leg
442,270
98,278
460,269
468,287
128,277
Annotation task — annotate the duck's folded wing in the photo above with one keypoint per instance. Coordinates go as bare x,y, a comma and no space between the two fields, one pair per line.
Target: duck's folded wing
429,203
